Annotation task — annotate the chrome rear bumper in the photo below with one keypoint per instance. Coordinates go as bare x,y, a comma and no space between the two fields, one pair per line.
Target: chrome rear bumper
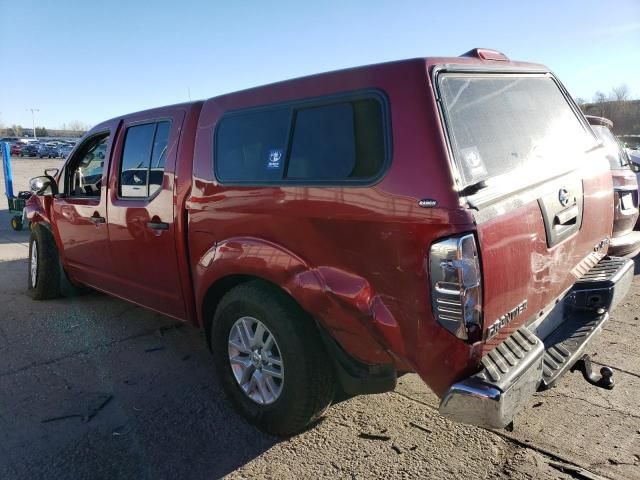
512,373
524,363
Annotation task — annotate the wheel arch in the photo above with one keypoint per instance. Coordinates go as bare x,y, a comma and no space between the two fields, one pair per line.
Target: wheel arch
355,377
37,211
342,303
214,294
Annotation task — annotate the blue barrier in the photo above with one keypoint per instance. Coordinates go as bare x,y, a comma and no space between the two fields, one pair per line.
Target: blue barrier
6,169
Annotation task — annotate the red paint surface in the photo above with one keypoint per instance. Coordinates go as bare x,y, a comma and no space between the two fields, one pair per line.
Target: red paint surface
517,265
353,257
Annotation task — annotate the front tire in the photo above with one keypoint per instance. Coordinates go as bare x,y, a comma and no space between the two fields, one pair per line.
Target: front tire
16,223
44,265
281,389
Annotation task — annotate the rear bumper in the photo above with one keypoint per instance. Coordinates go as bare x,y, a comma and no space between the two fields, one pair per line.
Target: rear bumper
536,356
627,245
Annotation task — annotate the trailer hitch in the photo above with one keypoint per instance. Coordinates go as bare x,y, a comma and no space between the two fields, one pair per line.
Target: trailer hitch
605,380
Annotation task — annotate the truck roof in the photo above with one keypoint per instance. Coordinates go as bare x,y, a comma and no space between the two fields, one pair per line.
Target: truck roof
478,57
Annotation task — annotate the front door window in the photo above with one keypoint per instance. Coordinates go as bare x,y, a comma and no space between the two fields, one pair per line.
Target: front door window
86,170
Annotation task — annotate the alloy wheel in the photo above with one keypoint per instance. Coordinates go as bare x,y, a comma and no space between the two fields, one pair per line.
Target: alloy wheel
256,360
34,264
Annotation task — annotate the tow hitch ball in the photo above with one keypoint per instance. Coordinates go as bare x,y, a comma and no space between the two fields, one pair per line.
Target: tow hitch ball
605,380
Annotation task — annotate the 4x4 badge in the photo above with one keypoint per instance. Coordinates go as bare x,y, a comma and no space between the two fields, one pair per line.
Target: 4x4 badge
563,196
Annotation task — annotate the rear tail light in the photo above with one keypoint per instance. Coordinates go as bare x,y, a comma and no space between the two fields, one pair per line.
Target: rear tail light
456,286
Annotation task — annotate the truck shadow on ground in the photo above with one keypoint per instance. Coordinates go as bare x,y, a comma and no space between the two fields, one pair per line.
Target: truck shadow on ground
95,387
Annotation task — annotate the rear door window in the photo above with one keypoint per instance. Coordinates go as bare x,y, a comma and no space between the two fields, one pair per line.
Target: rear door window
143,158
319,142
500,124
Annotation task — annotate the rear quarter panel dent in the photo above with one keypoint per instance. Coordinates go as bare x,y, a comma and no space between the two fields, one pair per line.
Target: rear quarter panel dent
343,302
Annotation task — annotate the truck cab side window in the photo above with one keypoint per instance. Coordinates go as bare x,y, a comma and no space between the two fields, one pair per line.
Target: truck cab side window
85,170
143,158
333,142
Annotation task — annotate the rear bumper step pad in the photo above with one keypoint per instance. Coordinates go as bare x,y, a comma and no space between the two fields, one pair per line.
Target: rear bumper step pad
564,346
524,362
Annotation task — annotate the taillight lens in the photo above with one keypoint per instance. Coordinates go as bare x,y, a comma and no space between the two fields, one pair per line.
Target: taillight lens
456,286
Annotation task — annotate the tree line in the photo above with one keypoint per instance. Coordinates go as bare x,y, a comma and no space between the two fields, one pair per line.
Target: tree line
71,129
618,106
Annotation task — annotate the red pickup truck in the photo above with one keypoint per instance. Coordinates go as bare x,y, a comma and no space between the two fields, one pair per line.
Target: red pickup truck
445,216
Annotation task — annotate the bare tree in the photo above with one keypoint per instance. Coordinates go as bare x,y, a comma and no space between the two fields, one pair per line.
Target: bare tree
599,97
17,130
620,93
77,126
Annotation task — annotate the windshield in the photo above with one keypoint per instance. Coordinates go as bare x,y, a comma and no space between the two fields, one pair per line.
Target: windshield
502,123
615,153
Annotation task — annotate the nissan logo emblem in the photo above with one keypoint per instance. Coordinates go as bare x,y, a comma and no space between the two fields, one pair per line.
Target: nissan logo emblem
563,196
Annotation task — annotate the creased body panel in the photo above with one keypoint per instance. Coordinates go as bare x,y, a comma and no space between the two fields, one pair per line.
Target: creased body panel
518,264
360,270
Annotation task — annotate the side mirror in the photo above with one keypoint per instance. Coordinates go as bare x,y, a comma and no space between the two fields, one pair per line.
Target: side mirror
44,185
635,167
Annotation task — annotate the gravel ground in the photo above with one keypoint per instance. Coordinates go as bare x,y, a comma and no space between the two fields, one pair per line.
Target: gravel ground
93,387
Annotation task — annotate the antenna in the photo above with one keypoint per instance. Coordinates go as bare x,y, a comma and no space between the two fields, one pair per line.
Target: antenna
33,119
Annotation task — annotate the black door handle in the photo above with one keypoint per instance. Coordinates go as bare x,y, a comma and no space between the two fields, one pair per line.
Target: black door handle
158,225
97,219
567,216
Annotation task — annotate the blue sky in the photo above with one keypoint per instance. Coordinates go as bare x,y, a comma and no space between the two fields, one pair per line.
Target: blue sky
88,61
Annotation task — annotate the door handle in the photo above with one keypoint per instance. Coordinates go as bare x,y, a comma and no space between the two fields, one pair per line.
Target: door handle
97,219
158,225
567,216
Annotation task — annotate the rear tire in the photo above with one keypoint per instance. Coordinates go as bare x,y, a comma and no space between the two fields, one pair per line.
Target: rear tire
44,265
307,384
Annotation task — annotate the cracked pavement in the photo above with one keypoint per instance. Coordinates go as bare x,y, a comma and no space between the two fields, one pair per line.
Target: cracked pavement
167,417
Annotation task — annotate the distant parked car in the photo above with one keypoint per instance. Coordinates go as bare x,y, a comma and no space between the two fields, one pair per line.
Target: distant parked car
29,151
625,241
65,150
631,142
16,148
48,150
